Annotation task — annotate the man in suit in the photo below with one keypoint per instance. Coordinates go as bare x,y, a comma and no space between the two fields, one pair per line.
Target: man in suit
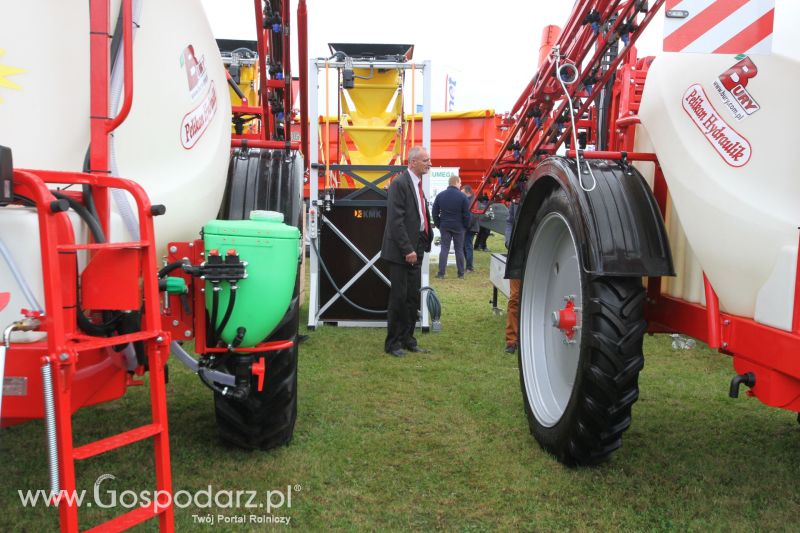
405,240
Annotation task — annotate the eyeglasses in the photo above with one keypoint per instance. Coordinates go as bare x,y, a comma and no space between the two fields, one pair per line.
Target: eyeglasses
423,160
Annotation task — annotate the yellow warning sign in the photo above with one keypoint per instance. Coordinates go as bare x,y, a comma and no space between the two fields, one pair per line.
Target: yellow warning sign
8,71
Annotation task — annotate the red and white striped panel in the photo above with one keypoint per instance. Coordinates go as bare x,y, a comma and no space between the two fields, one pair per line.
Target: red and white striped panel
719,26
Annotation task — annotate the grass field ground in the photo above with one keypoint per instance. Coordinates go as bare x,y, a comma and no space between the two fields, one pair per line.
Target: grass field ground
440,442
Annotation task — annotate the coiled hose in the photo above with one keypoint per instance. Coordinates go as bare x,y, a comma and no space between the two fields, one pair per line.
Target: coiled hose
434,307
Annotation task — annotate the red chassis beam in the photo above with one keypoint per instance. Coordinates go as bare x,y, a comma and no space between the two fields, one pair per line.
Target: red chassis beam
771,354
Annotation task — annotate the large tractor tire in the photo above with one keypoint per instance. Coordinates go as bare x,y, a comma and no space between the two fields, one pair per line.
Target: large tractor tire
266,180
580,343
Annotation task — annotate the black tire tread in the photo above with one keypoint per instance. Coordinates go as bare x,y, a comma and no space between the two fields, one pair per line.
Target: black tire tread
266,419
610,381
607,383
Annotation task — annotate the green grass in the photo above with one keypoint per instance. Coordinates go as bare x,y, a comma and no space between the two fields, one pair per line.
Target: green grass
440,442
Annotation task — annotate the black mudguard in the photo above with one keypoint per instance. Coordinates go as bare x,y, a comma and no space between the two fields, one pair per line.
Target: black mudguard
621,231
264,179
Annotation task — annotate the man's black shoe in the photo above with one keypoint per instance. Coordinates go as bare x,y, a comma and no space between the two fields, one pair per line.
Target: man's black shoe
397,352
511,348
417,349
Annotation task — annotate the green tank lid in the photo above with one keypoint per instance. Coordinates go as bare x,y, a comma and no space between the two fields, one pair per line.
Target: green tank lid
262,224
267,216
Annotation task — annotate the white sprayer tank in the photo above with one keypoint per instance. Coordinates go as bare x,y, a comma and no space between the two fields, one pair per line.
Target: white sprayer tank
731,162
175,142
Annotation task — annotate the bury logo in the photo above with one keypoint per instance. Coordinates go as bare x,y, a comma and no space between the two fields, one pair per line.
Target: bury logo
196,74
731,86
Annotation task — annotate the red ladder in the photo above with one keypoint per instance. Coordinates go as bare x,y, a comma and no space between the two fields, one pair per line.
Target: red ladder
64,344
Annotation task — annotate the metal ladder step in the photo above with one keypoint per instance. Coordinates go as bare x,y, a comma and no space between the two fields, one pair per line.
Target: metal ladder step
115,441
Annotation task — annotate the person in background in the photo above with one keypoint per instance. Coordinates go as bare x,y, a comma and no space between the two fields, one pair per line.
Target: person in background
472,230
451,216
483,232
406,238
512,312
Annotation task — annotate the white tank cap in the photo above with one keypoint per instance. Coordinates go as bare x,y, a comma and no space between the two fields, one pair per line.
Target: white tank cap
267,216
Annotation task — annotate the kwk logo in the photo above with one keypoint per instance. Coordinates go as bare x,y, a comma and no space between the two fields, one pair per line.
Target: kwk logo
731,86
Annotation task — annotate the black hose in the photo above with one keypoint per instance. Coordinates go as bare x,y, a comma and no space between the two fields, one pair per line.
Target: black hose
212,338
170,267
88,198
27,202
210,384
86,216
84,323
336,288
97,330
228,311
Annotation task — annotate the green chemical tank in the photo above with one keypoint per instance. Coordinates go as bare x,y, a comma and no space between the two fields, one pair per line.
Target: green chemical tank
271,250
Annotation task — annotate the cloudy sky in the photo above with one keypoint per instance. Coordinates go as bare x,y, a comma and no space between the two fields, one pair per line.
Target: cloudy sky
489,48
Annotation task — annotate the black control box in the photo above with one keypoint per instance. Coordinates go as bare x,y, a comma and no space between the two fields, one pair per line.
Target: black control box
6,176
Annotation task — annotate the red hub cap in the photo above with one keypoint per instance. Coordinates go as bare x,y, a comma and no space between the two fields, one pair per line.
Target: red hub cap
567,320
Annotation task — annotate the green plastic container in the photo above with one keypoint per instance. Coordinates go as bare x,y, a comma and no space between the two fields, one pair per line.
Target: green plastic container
271,250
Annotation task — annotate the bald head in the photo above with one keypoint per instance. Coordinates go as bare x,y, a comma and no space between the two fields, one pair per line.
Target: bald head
454,181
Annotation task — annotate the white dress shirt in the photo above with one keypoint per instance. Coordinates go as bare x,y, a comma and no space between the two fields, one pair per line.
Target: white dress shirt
420,206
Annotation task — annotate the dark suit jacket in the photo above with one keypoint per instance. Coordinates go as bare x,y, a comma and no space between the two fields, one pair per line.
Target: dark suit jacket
451,210
401,235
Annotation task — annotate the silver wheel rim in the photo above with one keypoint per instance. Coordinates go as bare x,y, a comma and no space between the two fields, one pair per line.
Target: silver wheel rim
549,358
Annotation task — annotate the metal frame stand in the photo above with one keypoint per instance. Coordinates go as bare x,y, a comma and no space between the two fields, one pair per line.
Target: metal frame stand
316,213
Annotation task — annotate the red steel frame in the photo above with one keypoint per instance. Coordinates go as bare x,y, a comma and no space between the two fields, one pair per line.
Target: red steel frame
84,368
773,355
66,349
545,95
266,137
